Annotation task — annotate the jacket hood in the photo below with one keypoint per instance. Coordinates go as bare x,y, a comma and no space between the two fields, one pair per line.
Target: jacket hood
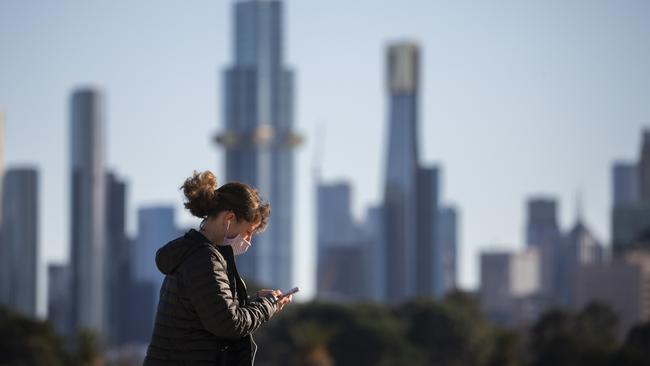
174,253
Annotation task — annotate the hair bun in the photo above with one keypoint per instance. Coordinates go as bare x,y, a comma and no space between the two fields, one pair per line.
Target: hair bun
200,191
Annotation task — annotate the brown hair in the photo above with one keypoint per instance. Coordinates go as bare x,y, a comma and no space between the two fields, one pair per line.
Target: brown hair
205,200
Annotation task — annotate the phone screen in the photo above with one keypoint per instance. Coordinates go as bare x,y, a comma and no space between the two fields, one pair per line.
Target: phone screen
290,292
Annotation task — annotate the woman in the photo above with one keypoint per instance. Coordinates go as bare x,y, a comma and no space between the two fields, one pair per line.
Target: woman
205,316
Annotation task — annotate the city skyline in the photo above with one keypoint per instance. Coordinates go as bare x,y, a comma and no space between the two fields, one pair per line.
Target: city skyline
593,151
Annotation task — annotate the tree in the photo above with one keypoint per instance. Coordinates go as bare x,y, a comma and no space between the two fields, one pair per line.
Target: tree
25,342
562,338
360,334
88,348
506,350
451,332
636,349
552,339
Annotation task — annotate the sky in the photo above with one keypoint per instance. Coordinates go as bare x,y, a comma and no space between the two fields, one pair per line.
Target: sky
518,99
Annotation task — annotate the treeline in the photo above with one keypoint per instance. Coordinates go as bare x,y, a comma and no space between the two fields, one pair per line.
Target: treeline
451,332
29,342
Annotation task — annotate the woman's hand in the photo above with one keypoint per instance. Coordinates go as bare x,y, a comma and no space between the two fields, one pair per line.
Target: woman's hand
281,301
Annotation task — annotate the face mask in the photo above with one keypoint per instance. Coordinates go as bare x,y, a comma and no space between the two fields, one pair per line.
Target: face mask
238,243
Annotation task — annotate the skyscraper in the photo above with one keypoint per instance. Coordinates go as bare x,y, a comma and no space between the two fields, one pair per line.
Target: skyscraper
542,232
375,253
156,227
4,269
19,244
447,246
426,247
644,168
2,157
88,209
342,249
401,171
258,139
334,219
118,275
629,224
625,184
58,297
631,217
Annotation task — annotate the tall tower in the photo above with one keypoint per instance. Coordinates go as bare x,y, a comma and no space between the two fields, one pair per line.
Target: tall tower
543,232
58,297
2,156
334,219
156,227
401,171
631,209
427,253
118,273
258,138
644,168
447,246
625,184
88,209
19,244
342,246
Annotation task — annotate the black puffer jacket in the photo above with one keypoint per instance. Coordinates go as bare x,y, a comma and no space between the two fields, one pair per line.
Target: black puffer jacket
204,315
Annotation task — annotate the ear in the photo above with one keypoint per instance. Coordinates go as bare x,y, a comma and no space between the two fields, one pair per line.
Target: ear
229,216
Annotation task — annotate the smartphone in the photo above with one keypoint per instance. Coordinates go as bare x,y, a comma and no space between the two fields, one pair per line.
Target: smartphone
290,292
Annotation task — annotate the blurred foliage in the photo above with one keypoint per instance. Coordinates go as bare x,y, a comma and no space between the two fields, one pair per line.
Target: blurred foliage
562,338
450,332
25,342
330,334
636,349
506,349
88,349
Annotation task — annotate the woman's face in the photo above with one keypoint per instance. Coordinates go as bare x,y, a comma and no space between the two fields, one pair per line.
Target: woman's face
237,227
